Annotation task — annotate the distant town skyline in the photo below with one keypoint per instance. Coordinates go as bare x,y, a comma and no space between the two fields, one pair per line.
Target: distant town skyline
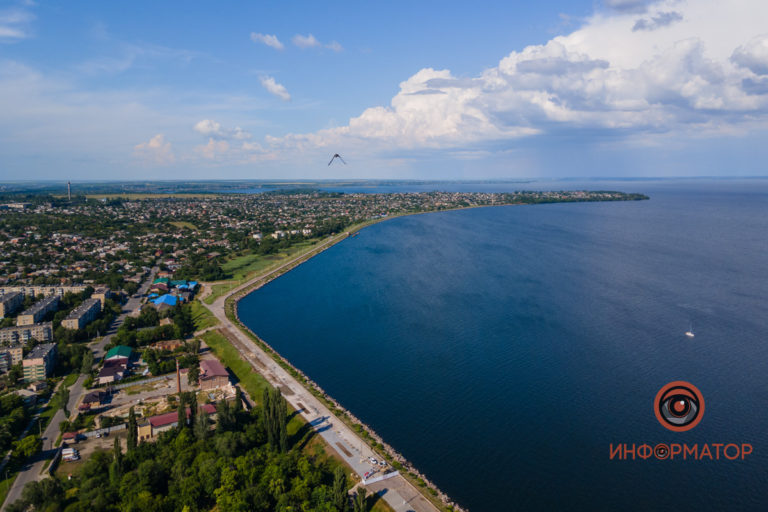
401,90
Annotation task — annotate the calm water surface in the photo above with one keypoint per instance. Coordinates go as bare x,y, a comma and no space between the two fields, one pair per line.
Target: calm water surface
503,349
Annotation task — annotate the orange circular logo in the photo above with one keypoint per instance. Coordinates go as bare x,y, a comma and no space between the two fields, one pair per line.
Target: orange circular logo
679,406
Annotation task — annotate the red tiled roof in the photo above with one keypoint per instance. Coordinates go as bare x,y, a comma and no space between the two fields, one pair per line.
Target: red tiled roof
165,419
172,417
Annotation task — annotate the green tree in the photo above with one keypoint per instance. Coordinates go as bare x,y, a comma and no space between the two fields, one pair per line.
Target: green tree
29,446
87,365
360,503
275,417
201,429
133,430
61,400
223,416
191,400
116,468
193,375
339,495
182,411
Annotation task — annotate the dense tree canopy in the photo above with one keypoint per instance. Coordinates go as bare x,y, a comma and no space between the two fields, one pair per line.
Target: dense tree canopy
231,468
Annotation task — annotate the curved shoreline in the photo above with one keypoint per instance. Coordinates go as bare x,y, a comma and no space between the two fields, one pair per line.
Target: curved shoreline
369,435
364,431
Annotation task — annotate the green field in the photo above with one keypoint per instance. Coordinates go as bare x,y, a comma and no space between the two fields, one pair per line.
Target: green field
182,224
201,316
247,266
251,381
70,379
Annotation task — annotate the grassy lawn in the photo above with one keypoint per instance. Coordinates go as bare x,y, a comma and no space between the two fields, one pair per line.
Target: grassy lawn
242,266
70,379
182,224
245,267
251,381
45,417
139,388
201,316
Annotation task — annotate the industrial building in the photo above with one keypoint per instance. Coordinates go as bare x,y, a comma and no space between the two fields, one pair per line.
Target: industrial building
155,425
38,311
83,314
39,363
24,333
10,302
212,374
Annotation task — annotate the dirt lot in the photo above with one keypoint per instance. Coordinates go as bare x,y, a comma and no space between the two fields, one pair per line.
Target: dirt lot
86,448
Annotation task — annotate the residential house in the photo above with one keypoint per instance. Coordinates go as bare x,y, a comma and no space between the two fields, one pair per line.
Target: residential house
119,352
113,370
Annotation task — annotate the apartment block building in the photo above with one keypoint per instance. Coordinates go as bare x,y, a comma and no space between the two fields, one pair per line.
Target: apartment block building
10,302
39,363
24,333
38,310
83,314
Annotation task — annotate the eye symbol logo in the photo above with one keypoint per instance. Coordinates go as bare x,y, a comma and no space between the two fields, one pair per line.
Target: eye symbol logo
679,406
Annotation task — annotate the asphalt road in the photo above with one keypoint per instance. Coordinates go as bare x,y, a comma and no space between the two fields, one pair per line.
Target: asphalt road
131,305
31,470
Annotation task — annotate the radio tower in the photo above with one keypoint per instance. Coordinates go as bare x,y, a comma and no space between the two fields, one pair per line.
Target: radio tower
69,192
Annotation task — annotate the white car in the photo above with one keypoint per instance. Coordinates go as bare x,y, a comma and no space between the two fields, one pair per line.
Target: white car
373,461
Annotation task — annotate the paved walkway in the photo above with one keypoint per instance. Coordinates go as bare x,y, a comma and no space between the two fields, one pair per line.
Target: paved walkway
397,491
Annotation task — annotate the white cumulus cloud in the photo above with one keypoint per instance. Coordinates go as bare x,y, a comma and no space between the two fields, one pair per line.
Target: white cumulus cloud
211,128
307,41
275,88
310,41
156,151
214,148
690,68
267,39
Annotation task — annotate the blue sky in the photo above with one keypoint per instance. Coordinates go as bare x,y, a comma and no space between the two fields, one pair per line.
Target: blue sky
186,90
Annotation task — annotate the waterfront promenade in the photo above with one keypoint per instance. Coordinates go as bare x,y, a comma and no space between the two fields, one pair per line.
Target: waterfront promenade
398,493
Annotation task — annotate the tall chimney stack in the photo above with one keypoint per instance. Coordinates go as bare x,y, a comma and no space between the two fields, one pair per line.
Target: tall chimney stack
69,192
178,378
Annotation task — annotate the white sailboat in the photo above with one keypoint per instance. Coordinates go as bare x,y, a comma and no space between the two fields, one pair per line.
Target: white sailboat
689,332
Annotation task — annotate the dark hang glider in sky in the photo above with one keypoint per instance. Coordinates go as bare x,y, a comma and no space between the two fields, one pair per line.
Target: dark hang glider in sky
334,157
